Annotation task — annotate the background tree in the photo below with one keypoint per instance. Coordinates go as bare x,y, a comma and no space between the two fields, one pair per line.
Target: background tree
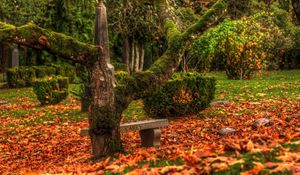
134,25
296,7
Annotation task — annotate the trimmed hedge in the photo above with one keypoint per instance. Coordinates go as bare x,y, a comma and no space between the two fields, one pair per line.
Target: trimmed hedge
184,94
51,90
24,76
20,77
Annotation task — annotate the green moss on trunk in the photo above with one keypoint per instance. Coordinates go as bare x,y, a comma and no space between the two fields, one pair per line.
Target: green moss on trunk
104,131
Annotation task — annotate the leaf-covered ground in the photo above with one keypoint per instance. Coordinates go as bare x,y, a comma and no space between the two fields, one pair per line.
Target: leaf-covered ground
40,140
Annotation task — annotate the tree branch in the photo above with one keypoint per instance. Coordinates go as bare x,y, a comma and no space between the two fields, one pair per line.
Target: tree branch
142,84
207,20
30,35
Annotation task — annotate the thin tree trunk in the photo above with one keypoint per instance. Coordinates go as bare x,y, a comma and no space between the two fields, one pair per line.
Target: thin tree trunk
126,52
136,57
142,57
132,56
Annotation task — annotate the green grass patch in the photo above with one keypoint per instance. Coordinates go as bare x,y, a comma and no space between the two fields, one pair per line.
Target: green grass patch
151,164
134,112
273,84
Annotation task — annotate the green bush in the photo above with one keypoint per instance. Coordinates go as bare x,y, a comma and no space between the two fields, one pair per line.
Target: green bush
23,76
243,46
184,94
65,70
51,90
44,71
20,76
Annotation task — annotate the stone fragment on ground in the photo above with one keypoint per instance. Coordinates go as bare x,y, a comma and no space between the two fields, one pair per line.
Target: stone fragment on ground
261,122
219,103
3,102
226,131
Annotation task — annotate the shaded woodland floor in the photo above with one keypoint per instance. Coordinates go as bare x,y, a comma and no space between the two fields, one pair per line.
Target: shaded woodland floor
41,140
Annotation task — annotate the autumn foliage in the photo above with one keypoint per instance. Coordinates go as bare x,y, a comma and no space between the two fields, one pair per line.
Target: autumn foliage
39,140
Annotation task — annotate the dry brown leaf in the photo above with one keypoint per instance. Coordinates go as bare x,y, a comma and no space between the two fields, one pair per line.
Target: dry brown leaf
168,169
249,146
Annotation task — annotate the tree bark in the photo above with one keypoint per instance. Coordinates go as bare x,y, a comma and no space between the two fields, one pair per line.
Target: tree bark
296,7
103,118
132,55
142,57
136,57
4,51
126,50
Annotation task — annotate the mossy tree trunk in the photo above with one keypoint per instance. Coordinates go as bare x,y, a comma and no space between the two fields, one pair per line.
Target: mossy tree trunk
108,100
104,121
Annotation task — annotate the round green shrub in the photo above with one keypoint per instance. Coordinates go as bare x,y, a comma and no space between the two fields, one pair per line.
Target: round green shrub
51,90
184,94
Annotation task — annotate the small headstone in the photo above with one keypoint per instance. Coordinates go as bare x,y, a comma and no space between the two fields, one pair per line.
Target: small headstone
15,58
261,122
219,103
226,131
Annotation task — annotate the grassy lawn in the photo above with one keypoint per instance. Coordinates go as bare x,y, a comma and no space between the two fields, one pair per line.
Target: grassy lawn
47,140
274,85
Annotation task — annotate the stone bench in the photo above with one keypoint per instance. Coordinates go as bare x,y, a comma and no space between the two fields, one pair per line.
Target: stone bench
149,130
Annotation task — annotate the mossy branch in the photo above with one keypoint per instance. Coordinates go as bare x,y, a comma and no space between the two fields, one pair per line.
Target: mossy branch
211,17
142,84
30,35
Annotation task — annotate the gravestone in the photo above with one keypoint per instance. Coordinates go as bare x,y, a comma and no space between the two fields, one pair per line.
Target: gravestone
15,58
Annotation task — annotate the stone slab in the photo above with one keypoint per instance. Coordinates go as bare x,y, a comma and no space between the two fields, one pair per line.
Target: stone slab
134,126
150,137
